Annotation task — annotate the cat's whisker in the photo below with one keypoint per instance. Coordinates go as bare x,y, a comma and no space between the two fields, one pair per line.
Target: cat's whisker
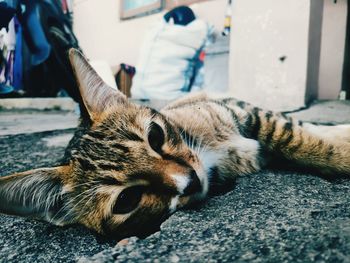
54,197
53,200
82,193
87,199
203,148
199,146
86,183
58,218
73,201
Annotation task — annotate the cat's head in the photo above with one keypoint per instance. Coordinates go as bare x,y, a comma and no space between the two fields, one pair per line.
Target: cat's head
128,171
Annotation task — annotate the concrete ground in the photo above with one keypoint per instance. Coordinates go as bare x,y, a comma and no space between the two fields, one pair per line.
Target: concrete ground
272,216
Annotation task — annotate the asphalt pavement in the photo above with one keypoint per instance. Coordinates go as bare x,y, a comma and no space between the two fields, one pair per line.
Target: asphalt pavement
273,216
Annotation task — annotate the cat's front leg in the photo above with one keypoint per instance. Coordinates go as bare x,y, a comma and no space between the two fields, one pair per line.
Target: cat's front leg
236,157
320,148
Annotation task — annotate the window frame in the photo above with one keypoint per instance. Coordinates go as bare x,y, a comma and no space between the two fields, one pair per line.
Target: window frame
169,4
140,11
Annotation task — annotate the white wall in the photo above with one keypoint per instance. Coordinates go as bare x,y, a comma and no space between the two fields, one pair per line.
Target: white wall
269,52
102,35
262,32
314,49
332,48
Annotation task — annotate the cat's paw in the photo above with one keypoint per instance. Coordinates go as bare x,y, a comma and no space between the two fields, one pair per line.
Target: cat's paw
340,133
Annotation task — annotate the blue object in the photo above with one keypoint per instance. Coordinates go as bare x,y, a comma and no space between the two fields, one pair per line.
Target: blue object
35,36
18,62
4,89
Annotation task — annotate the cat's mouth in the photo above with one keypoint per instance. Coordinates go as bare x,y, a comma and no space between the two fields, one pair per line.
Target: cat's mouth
194,191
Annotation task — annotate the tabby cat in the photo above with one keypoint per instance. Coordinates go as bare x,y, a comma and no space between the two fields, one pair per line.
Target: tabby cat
129,166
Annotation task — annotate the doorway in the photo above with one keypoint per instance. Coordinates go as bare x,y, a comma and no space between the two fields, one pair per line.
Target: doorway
346,67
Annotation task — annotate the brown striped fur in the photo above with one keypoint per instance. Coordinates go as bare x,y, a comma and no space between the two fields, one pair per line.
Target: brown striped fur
129,167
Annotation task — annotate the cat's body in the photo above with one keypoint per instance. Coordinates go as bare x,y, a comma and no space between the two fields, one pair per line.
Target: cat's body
242,138
129,167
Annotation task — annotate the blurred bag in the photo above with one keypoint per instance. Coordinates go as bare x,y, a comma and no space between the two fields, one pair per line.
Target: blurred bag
169,59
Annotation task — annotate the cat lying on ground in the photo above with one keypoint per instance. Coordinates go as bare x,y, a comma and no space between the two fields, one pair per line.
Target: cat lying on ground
129,167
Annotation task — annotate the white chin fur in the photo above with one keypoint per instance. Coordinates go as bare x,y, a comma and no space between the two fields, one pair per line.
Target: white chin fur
203,177
173,204
181,182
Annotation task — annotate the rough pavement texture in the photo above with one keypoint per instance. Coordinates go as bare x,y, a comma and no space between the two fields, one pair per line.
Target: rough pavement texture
21,121
268,217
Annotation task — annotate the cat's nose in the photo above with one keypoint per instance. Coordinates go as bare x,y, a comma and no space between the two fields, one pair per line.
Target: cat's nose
194,184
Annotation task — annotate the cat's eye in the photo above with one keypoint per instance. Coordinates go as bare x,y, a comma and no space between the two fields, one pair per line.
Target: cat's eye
128,200
156,137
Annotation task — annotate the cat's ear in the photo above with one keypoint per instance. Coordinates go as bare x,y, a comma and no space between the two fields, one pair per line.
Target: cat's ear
36,193
96,94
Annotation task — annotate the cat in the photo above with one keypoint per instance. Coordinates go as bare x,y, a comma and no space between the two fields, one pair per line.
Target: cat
129,167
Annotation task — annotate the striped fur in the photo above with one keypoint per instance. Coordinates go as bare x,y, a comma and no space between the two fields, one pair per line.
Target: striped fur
129,167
